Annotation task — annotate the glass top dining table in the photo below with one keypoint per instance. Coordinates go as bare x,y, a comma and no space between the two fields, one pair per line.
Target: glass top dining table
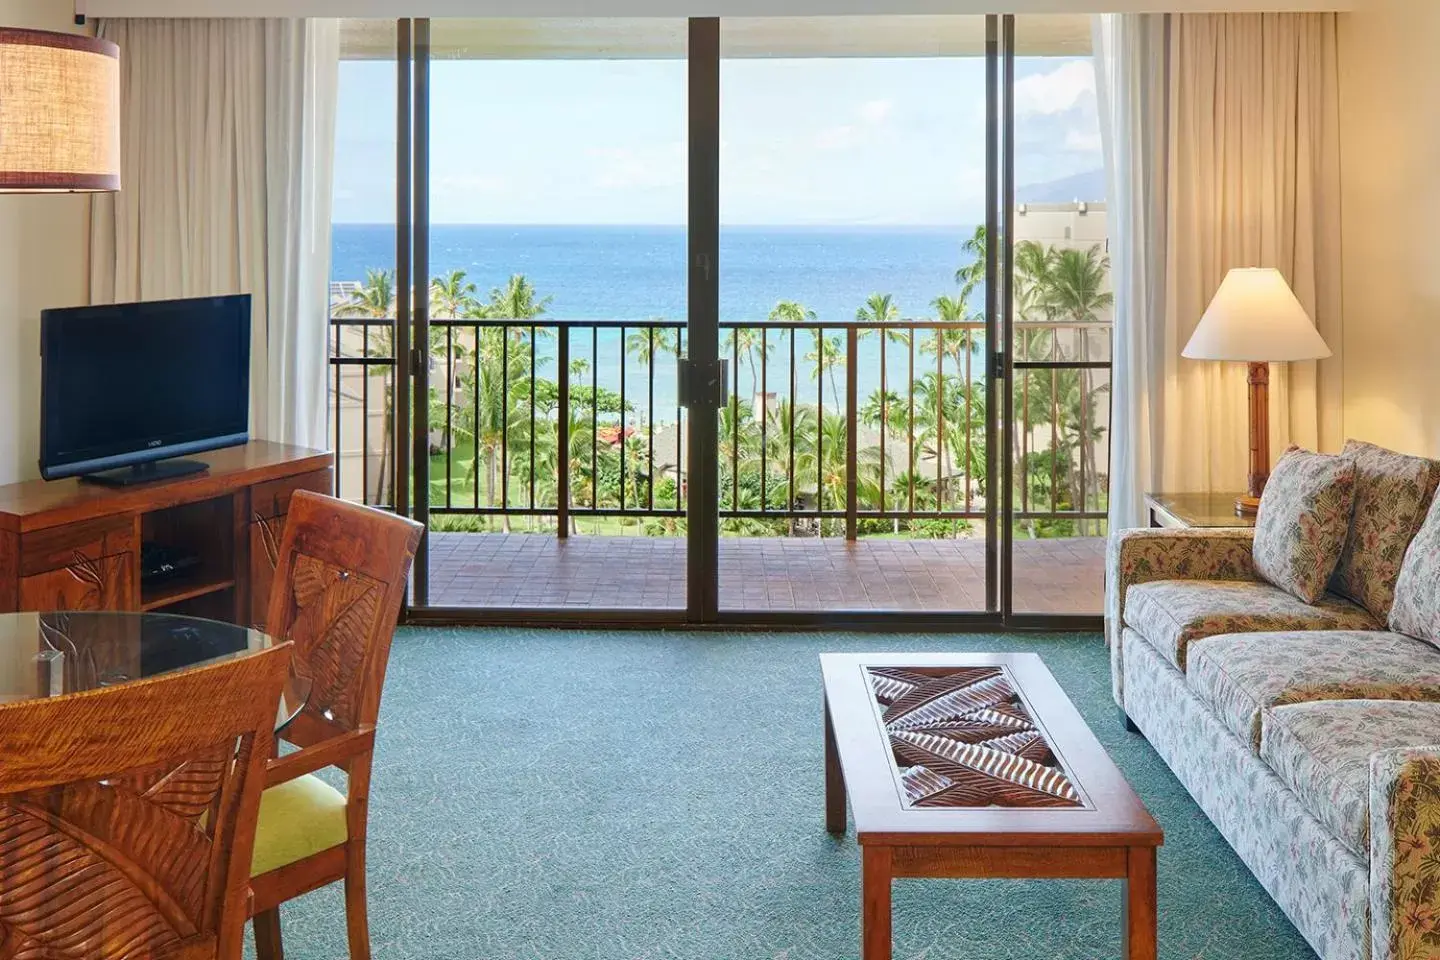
50,654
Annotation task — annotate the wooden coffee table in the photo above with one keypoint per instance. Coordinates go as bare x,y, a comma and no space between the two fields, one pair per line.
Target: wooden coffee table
977,765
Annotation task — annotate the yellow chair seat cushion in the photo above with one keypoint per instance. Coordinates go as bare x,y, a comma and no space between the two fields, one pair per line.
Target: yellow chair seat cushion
298,818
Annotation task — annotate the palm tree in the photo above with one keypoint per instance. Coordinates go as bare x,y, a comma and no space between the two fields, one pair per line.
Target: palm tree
955,342
452,296
880,308
971,276
791,311
1033,264
517,301
950,421
652,337
1075,292
739,446
376,300
1075,288
491,413
886,408
746,342
821,460
827,356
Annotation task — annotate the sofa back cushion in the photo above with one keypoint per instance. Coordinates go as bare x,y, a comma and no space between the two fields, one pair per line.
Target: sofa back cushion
1392,496
1303,521
1416,610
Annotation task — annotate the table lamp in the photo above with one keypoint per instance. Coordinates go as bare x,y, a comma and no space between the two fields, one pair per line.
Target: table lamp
1255,318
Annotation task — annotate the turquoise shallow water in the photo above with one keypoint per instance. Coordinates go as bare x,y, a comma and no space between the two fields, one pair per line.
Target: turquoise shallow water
579,795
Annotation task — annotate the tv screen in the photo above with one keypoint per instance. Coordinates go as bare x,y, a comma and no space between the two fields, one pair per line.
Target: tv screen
132,383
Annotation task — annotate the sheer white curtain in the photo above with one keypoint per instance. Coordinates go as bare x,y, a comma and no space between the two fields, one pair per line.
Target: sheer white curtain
1130,59
227,139
1247,141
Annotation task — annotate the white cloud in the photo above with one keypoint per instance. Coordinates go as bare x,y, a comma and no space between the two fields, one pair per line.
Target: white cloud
471,183
657,165
836,138
875,112
868,116
1082,141
1055,92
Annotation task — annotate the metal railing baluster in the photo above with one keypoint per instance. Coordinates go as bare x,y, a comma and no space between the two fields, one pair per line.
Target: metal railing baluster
1039,349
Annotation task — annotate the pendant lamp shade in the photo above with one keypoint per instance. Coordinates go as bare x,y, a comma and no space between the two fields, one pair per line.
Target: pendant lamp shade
59,112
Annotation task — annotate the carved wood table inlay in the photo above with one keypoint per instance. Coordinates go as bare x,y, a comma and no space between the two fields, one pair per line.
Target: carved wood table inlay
977,765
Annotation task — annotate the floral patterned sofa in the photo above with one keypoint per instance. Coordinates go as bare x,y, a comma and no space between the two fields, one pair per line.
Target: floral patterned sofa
1308,732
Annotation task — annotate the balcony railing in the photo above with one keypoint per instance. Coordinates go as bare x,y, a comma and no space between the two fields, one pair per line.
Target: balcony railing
830,428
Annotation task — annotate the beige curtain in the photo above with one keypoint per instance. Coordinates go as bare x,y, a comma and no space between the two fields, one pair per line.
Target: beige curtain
227,139
1253,180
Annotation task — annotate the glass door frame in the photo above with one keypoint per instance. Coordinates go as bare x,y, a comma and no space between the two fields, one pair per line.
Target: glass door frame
412,351
702,367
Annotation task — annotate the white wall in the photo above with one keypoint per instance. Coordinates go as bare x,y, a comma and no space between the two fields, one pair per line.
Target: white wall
1390,199
43,250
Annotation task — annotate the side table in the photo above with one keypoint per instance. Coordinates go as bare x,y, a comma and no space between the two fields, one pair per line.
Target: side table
1182,510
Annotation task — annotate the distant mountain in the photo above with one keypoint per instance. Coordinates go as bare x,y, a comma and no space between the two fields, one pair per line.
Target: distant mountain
1089,186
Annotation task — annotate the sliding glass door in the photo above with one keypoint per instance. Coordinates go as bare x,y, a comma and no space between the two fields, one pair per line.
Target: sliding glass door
854,317
550,310
740,321
1059,313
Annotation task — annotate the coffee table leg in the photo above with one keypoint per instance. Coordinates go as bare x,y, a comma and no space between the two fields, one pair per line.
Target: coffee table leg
1140,910
834,780
875,903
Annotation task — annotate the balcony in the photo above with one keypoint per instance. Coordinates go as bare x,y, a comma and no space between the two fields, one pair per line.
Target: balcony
853,461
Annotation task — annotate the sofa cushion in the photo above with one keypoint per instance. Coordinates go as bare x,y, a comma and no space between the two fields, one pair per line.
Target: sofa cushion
1173,614
1303,521
1322,751
1393,491
1241,675
1416,610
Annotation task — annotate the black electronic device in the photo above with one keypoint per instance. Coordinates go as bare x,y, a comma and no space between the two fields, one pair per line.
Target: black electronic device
126,388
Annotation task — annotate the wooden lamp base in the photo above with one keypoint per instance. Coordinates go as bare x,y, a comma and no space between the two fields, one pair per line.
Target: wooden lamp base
1249,504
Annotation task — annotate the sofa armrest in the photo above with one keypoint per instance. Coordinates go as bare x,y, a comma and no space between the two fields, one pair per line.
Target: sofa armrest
1405,853
1143,554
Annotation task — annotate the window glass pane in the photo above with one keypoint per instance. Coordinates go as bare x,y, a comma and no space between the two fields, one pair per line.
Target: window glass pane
1063,312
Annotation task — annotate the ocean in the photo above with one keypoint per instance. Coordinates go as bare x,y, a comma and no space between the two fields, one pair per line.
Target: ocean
625,272
638,273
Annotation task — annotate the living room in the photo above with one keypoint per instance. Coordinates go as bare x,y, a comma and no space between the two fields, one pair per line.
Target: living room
688,325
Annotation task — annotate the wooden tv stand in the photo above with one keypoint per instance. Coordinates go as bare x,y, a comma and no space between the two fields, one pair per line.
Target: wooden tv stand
67,545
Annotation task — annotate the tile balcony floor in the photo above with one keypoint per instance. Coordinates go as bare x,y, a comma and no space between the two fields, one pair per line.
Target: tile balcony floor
764,574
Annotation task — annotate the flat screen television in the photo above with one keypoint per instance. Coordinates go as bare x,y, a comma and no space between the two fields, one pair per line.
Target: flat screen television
126,388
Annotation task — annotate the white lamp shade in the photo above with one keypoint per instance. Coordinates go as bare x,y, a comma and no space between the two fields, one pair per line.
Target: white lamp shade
1254,317
59,112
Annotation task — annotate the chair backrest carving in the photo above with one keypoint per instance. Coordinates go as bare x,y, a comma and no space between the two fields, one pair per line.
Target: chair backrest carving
339,584
127,814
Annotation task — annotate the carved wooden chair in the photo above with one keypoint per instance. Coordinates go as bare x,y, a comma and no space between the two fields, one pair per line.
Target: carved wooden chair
127,815
338,587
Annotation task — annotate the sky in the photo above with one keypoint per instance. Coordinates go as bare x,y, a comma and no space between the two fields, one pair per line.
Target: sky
803,142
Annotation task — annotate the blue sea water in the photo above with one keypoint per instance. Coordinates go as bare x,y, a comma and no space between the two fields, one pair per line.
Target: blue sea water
638,273
630,272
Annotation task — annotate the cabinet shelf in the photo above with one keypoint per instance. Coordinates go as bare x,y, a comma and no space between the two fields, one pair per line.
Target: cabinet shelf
181,588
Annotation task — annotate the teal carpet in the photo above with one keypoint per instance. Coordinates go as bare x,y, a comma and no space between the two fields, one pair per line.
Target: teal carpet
570,795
